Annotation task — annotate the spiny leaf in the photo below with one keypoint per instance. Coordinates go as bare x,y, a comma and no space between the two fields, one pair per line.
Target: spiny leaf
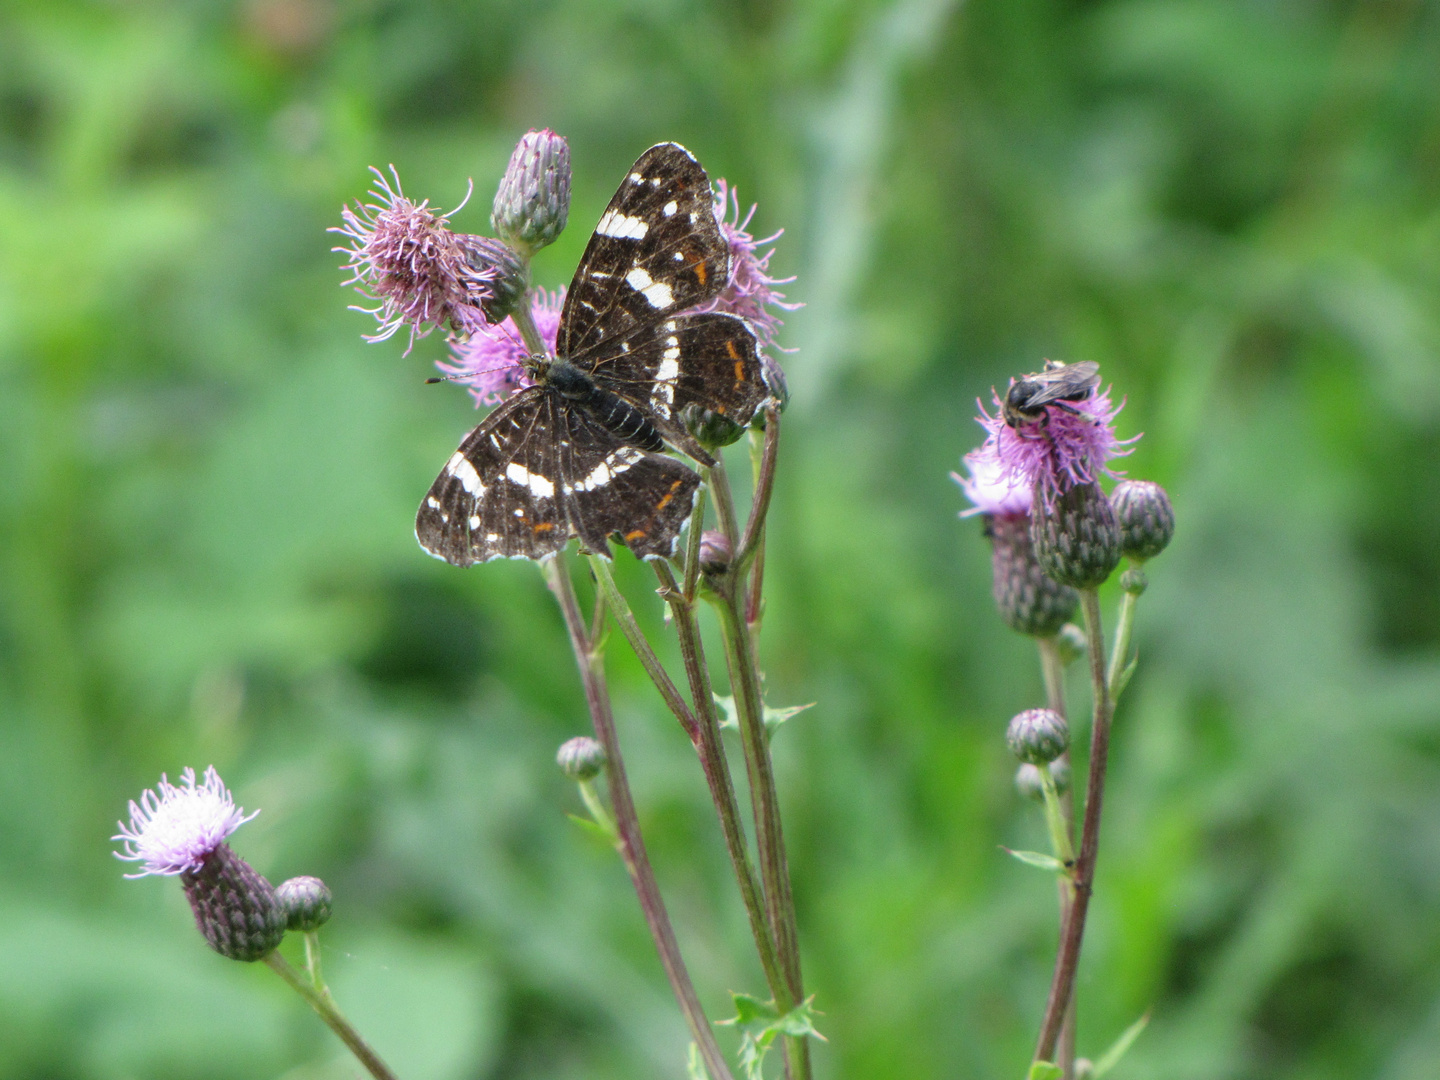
773,717
1038,858
1044,1070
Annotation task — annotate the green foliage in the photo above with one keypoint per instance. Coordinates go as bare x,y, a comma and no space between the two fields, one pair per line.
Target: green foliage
762,1023
209,480
1038,859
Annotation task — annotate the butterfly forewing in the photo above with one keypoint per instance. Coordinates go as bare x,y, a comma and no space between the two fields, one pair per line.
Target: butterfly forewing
657,249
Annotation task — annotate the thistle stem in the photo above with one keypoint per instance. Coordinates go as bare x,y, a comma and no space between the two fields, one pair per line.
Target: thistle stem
1067,962
320,1000
529,332
1052,671
590,661
716,766
1124,624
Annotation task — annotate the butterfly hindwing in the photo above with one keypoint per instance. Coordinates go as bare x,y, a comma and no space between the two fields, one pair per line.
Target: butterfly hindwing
657,249
538,472
708,359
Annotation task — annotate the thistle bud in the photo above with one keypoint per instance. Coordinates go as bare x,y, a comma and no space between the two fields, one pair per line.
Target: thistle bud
533,202
306,902
235,908
505,273
1134,581
1147,520
715,553
1037,736
581,758
712,430
1029,784
1029,601
1071,643
1076,536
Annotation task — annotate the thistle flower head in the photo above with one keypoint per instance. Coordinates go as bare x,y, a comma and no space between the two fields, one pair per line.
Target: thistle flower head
991,487
491,361
173,829
750,291
404,255
1073,444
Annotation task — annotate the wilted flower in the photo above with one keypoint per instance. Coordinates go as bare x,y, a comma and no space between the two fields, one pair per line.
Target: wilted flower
491,361
173,829
404,255
1072,445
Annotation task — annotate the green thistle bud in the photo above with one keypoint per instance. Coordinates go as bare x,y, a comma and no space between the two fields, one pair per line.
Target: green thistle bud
711,429
1030,602
1147,520
306,901
1134,581
581,758
1076,536
1029,784
1038,736
1071,643
235,908
533,202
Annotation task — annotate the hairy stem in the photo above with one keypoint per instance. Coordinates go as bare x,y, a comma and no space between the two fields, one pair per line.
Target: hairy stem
1052,670
1066,964
320,1000
627,822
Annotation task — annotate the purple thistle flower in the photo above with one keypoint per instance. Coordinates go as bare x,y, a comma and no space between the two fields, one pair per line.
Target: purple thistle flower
404,255
1072,445
491,361
750,292
991,486
173,830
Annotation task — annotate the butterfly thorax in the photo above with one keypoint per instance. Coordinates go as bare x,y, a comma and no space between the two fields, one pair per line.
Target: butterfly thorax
612,411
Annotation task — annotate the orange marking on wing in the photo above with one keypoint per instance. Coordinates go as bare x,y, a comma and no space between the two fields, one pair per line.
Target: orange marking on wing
701,273
730,348
543,526
668,496
636,535
739,372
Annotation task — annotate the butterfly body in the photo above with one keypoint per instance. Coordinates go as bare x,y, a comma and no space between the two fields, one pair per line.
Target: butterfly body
579,453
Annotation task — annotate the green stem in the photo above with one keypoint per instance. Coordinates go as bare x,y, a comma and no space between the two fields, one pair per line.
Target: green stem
627,822
711,750
320,1001
598,813
1125,623
692,543
1052,670
529,333
620,609
1067,962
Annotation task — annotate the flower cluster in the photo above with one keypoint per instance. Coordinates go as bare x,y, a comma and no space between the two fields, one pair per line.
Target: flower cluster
174,828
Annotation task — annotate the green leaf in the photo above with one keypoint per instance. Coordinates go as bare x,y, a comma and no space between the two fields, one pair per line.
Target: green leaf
1127,1038
1044,1070
1123,679
695,1065
773,717
731,719
593,827
749,1010
752,1057
1038,858
766,1023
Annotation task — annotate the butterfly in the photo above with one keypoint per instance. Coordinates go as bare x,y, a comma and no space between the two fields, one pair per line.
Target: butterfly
581,452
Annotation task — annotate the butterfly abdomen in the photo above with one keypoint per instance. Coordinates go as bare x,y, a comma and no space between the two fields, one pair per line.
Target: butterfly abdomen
615,413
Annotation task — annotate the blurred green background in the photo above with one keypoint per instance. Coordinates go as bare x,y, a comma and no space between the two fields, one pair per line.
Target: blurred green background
209,481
